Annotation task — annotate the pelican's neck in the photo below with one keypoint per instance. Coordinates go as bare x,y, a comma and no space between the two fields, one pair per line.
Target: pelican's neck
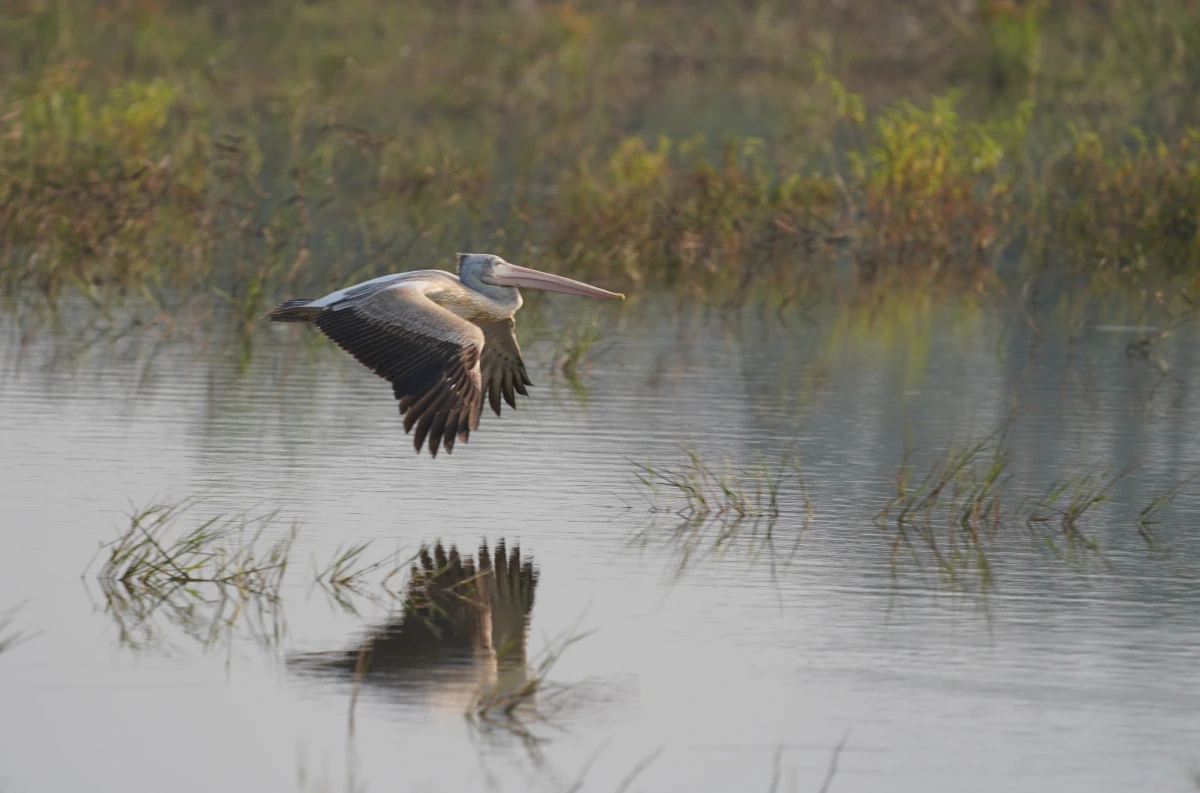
504,300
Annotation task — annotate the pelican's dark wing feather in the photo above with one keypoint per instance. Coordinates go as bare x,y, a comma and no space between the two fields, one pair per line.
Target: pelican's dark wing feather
429,355
502,370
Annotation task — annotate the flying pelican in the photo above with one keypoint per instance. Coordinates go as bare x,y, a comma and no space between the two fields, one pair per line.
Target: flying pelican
443,341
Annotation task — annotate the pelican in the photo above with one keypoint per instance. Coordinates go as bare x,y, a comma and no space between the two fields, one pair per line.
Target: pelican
441,340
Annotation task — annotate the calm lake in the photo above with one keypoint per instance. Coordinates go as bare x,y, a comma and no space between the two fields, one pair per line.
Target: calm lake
738,667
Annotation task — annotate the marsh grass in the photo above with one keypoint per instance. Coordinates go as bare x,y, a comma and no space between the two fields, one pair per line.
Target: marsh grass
153,555
1067,503
723,509
1127,210
248,153
950,513
935,190
1148,516
207,581
97,179
955,515
695,488
925,190
349,575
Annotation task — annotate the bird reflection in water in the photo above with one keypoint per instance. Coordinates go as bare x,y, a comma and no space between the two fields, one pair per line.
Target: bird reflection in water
460,637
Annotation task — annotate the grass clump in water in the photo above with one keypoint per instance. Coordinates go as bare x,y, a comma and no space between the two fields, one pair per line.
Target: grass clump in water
347,574
695,488
204,581
1069,501
954,514
721,506
951,512
218,551
1148,517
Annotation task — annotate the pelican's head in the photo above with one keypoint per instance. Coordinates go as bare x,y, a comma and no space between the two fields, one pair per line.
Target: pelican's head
485,268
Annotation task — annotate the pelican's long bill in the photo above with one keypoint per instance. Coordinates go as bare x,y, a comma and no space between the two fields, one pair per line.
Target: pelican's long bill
506,274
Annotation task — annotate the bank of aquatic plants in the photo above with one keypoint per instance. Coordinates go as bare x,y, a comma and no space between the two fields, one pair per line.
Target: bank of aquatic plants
1130,209
108,189
236,153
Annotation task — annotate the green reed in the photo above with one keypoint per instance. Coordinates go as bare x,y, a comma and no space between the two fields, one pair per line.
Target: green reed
1127,210
950,513
1068,501
1149,516
151,553
349,572
697,488
954,514
718,507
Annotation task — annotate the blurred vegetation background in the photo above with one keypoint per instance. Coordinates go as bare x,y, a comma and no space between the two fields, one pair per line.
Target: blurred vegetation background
733,151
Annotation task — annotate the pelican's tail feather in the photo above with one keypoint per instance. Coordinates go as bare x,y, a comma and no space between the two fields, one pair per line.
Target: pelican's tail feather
297,310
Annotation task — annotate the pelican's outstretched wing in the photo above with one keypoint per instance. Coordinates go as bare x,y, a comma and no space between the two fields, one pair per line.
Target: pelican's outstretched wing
430,356
502,369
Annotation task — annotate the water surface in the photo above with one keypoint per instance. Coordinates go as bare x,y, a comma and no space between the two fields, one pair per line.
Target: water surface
1073,671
